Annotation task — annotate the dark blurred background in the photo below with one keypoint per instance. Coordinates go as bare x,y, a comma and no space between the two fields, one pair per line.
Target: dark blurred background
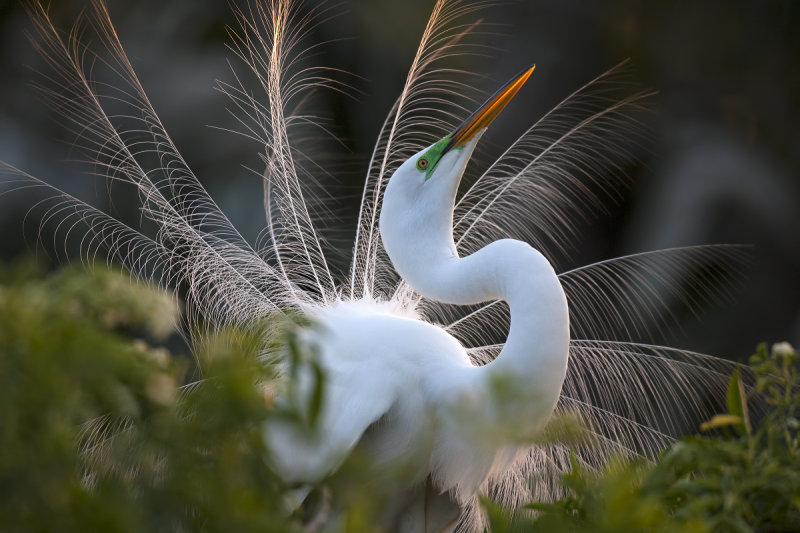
721,165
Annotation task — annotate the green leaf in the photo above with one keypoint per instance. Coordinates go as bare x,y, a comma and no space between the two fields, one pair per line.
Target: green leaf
318,393
734,395
737,403
721,421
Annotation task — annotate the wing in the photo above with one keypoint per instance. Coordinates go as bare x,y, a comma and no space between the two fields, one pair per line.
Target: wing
350,399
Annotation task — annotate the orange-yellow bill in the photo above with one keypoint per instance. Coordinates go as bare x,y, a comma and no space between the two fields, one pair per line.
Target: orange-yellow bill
489,110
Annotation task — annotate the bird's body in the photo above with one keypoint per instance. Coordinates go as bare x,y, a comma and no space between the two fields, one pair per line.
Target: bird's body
447,418
437,413
380,363
423,368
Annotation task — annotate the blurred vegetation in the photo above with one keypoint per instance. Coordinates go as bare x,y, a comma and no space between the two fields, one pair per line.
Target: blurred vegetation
739,480
95,434
98,433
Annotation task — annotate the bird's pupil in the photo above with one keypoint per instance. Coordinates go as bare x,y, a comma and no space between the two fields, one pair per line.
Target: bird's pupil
422,163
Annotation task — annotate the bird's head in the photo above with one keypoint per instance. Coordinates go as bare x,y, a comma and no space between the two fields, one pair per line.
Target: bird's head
416,220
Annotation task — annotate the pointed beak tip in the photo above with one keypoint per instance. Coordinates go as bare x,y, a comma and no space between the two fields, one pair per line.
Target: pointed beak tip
530,69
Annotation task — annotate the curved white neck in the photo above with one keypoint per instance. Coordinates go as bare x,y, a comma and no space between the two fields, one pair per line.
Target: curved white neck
534,358
535,351
417,231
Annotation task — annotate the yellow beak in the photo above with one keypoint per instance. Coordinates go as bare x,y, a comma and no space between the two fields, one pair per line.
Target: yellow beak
485,114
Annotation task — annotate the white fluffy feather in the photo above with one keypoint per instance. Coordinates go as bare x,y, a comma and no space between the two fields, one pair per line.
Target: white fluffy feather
399,363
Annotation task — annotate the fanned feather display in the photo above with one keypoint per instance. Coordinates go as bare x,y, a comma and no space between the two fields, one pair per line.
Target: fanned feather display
635,398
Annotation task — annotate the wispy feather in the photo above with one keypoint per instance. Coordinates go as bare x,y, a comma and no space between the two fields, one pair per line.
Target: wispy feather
429,106
634,398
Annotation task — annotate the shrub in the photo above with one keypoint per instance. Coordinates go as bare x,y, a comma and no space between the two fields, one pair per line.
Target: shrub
737,479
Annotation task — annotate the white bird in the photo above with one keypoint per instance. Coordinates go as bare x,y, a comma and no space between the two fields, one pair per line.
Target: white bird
442,415
409,339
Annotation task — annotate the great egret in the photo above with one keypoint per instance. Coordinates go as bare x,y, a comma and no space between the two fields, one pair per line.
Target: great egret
442,414
402,351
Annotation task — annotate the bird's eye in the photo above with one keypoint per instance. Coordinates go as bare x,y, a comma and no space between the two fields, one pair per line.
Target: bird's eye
422,163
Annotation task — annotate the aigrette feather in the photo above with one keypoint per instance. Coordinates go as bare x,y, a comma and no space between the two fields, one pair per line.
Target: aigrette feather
624,390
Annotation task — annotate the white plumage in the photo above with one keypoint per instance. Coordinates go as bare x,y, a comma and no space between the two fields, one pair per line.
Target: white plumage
443,415
410,339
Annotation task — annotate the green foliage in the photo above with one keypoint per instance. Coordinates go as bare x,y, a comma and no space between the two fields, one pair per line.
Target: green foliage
611,501
101,299
97,433
747,481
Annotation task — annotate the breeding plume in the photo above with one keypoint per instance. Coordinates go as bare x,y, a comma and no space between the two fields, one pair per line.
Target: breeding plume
453,336
441,414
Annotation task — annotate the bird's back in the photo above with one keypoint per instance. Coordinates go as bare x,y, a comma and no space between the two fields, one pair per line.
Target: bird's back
387,374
